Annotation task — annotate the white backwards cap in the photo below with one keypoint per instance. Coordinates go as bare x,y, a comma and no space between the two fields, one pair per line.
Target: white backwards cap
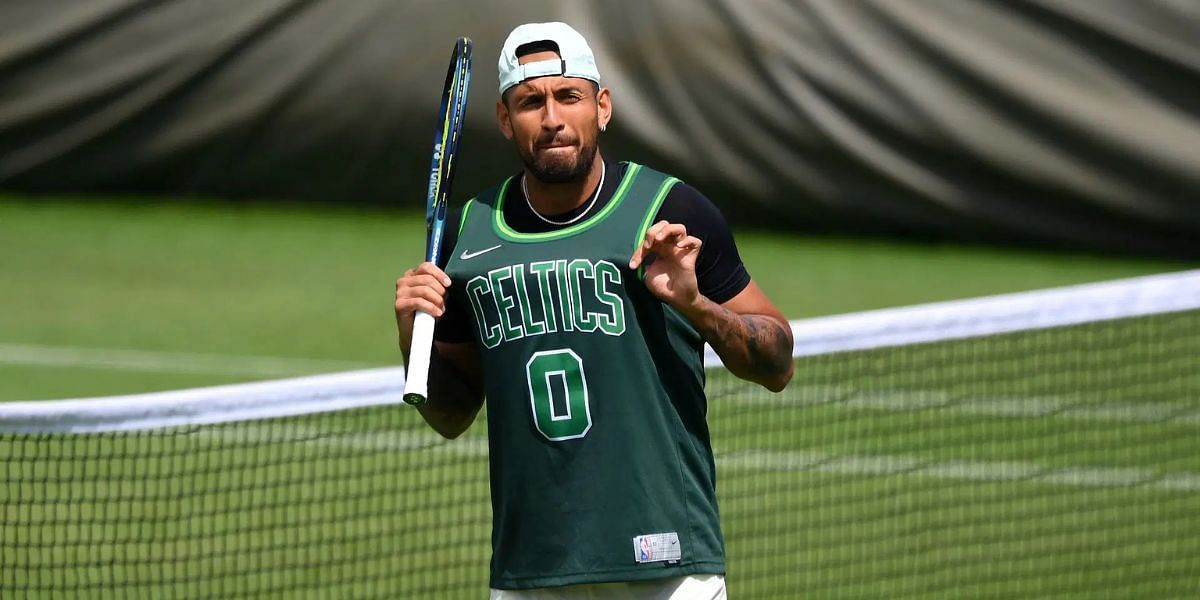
576,58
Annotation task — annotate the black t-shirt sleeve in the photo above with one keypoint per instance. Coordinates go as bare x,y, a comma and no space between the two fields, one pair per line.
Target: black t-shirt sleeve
720,273
454,326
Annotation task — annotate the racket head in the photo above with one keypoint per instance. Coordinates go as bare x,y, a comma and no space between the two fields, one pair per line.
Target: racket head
452,112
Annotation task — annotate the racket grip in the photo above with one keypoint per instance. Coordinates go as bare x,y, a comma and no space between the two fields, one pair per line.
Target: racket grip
416,389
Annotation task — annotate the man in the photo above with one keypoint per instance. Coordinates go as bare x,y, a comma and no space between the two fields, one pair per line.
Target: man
576,297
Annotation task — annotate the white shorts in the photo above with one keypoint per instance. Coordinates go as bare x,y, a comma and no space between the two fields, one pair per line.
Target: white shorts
692,587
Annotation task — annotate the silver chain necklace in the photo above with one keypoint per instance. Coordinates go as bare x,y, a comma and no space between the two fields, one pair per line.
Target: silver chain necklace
596,196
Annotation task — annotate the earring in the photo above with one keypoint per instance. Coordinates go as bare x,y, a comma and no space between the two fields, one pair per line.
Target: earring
603,127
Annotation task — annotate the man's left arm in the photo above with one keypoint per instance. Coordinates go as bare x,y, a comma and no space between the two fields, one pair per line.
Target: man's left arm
747,331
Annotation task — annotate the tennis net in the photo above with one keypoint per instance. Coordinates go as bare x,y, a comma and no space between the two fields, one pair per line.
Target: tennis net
1033,444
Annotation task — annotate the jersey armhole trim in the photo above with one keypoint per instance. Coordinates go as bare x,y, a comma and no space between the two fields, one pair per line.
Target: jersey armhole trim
647,220
462,218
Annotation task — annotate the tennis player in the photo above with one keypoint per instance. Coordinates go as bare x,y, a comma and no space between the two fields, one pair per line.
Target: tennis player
576,298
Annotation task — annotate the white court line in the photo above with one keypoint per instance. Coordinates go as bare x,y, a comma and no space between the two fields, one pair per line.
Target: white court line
992,406
985,471
475,447
167,362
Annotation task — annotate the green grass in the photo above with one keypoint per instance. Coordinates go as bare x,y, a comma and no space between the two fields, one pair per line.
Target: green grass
810,277
843,487
317,283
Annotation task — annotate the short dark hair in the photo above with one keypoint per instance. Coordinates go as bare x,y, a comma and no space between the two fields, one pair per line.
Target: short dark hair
538,46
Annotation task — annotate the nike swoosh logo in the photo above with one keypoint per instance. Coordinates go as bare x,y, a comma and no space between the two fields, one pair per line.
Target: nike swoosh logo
469,255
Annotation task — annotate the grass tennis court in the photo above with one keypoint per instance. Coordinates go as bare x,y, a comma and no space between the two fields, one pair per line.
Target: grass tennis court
1066,465
316,284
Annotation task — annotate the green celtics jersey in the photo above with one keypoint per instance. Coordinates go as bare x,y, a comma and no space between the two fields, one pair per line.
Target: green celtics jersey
601,468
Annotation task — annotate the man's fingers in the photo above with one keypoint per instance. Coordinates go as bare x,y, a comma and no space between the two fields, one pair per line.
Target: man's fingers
412,305
689,243
639,253
428,268
636,259
406,285
422,288
421,298
654,229
670,232
662,231
423,274
660,237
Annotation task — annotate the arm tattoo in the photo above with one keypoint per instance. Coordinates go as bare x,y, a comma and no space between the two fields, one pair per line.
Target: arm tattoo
759,340
767,344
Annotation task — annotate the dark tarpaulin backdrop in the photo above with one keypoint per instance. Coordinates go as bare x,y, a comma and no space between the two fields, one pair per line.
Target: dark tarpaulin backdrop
1069,123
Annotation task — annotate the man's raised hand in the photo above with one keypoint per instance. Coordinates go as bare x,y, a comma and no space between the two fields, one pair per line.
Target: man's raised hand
669,255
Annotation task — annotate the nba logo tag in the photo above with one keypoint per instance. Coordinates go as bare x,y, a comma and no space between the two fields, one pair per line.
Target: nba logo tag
657,547
646,553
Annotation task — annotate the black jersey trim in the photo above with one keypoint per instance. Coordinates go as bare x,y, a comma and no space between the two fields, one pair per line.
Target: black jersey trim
505,232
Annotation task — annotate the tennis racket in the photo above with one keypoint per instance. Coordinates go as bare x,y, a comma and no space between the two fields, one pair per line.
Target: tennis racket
451,114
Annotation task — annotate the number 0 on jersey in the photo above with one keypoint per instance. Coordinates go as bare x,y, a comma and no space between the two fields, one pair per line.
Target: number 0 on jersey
558,394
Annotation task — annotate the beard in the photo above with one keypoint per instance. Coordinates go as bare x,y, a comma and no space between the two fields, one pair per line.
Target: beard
551,168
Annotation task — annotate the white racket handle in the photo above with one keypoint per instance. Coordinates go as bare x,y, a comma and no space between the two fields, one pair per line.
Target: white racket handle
416,384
